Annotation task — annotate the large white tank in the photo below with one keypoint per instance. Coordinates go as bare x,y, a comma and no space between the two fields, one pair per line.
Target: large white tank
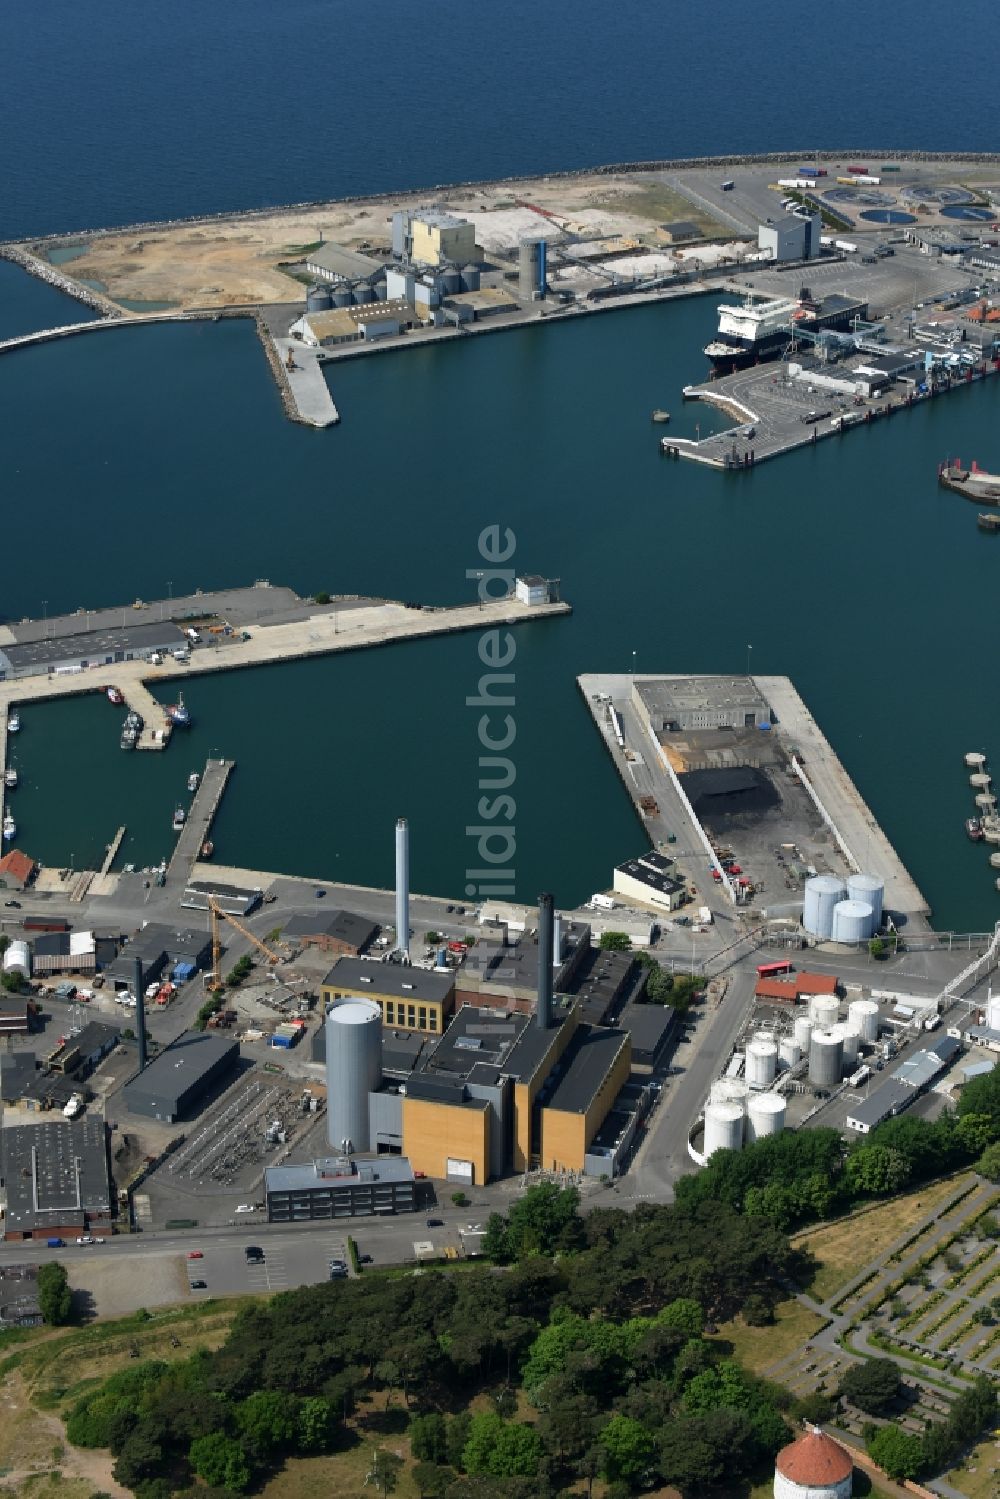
789,1052
822,893
353,1070
862,1016
762,1062
853,921
824,1010
803,1031
723,1127
17,959
868,887
826,1059
992,1010
849,1040
765,1116
729,1090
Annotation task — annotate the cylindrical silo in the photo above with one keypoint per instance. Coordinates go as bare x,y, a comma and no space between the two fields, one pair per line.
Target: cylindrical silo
762,1062
765,1116
862,1016
729,1090
868,887
471,278
823,1011
451,280
853,921
826,1059
789,1052
17,959
363,293
353,1070
820,896
723,1127
803,1032
849,1040
342,296
531,266
992,1009
319,299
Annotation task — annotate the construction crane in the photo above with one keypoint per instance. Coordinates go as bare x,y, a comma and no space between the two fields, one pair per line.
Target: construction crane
213,980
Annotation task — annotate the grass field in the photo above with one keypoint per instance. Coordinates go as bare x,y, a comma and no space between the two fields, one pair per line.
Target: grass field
759,1347
660,204
844,1249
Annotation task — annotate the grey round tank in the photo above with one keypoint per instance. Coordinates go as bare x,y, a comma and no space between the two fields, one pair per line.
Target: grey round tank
471,277
451,280
319,299
762,1062
353,1070
853,921
342,295
363,294
380,291
789,1052
822,893
826,1059
862,1016
803,1032
868,887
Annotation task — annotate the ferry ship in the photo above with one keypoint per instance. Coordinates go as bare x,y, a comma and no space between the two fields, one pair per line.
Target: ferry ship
9,828
763,329
179,816
178,713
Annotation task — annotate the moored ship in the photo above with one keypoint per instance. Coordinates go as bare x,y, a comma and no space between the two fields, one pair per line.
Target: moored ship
763,328
179,713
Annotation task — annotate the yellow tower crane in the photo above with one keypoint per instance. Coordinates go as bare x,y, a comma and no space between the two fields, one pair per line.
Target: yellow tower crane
213,980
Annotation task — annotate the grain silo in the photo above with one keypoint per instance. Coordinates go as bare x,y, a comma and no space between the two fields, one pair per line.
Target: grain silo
853,921
824,1010
723,1128
821,894
826,1059
765,1116
353,1070
862,1016
762,1062
531,271
869,888
319,299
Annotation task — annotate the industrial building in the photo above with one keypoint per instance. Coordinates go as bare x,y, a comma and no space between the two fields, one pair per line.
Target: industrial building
341,933
668,704
17,1070
56,1179
532,589
502,971
649,881
331,262
15,1014
433,236
794,237
233,899
413,998
19,1297
64,952
78,1055
177,1082
339,1187
679,232
158,947
69,654
903,1085
16,870
370,320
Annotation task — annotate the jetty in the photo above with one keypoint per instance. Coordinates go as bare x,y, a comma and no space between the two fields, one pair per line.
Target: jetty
112,851
201,815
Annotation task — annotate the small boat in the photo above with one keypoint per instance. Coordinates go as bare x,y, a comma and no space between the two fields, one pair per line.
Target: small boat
661,416
129,736
988,522
194,781
207,849
14,723
179,817
134,720
178,713
974,829
10,777
9,828
115,696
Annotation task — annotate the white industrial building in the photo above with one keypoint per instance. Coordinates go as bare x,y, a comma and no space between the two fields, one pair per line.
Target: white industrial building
649,881
794,237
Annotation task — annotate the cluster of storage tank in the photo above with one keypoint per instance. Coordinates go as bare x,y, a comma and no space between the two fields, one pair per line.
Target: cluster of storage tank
832,1045
734,1114
839,912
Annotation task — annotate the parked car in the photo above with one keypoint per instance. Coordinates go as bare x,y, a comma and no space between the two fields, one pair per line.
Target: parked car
195,1254
199,1285
84,1239
435,1223
13,904
253,1254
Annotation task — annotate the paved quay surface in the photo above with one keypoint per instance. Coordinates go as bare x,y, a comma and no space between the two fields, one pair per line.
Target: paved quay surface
307,383
200,816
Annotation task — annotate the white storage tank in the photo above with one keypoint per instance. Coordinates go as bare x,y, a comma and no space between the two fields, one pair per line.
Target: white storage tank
868,887
862,1016
765,1116
762,1062
853,921
353,1070
723,1128
822,893
789,1052
826,1059
824,1010
17,959
849,1040
992,1008
729,1090
802,1032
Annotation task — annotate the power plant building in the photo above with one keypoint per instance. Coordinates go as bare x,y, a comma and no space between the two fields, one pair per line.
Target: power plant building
433,236
178,1080
415,999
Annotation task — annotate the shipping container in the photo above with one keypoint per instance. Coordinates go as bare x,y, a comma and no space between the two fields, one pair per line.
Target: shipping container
889,167
857,171
283,1041
45,924
808,171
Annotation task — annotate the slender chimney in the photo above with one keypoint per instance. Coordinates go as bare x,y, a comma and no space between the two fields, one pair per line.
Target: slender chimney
556,941
543,1012
140,1013
403,888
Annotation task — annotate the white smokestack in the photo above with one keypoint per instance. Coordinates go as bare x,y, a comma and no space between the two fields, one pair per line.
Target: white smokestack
403,887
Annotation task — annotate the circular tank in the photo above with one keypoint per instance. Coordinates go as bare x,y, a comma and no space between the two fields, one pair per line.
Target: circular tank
867,887
471,277
762,1062
803,1032
862,1016
789,1052
826,1059
993,1012
729,1090
766,1116
451,280
822,893
353,1070
319,299
363,294
723,1128
381,291
823,1011
975,760
980,779
342,296
853,921
17,959
849,1041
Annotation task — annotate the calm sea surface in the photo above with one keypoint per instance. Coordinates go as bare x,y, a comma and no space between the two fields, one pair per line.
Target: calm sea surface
136,460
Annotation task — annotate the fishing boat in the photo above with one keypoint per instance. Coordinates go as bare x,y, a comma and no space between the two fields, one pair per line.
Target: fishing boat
194,780
10,777
179,816
129,736
115,696
14,723
988,522
974,829
207,849
9,828
178,713
134,720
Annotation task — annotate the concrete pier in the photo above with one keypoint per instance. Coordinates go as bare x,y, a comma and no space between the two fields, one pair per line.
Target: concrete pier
306,383
201,814
112,853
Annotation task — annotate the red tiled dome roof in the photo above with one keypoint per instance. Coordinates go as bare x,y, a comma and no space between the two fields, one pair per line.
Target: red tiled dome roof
814,1461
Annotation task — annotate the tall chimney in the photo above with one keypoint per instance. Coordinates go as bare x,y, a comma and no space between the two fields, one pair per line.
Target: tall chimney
543,1012
556,941
140,1013
403,888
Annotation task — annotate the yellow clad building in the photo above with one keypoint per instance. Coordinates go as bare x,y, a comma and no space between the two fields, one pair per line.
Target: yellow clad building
440,238
410,998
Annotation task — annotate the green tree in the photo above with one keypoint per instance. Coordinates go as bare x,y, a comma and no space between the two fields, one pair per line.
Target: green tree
11,980
428,1438
268,1421
615,942
876,948
544,1221
432,1482
988,1164
321,598
221,1461
897,1451
138,1459
976,1132
55,1300
630,1450
876,1170
503,1449
456,1437
873,1386
316,1424
383,1474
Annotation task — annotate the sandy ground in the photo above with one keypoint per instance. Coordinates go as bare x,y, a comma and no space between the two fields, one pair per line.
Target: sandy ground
33,1442
116,1292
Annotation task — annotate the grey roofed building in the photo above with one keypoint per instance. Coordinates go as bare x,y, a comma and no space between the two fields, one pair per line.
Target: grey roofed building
891,1098
87,649
55,1175
583,1069
650,1027
339,1188
337,926
699,702
402,980
157,944
682,229
922,1067
17,1071
237,900
179,1078
602,980
337,263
